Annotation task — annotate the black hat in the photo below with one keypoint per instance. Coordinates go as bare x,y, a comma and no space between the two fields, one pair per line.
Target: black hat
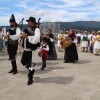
12,18
32,19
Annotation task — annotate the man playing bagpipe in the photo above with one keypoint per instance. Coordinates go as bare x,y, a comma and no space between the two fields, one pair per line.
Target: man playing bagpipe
30,42
12,37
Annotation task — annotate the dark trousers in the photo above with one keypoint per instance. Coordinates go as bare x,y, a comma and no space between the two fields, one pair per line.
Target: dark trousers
8,50
27,61
43,61
12,51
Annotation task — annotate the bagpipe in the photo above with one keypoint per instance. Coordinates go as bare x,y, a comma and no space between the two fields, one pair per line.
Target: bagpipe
30,32
7,32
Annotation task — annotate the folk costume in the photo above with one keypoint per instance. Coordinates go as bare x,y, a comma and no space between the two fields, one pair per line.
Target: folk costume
85,42
60,37
97,44
71,54
52,55
44,49
12,44
30,44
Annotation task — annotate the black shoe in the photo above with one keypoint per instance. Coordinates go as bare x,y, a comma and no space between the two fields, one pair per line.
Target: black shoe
9,59
42,68
30,81
66,61
30,77
15,72
10,71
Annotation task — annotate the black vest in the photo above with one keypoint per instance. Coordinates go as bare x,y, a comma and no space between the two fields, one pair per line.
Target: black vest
30,32
12,32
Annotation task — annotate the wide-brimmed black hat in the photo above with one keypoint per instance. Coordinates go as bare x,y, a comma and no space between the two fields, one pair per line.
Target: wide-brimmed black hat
12,18
32,19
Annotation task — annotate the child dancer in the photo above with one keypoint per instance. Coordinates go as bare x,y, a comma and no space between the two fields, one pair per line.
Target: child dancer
43,51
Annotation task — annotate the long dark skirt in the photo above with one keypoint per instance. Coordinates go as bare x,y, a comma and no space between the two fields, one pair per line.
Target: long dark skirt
52,55
71,54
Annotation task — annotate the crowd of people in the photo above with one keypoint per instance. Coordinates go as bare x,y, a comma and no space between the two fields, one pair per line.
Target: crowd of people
88,42
31,39
91,42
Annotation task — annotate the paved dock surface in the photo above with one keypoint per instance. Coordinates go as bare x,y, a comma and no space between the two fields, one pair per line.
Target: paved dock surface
78,81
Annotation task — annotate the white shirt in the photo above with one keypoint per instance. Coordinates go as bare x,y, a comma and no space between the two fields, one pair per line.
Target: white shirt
79,35
89,36
36,38
17,35
47,47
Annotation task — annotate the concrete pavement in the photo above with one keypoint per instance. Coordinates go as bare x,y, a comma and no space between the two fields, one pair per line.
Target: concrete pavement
79,81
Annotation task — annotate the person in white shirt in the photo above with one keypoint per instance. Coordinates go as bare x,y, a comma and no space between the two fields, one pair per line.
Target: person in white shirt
30,42
12,37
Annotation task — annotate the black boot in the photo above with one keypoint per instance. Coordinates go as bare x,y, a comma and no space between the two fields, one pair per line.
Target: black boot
66,61
14,67
11,71
30,77
43,66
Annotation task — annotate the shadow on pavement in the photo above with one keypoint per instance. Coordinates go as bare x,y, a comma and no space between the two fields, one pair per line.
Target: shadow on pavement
48,63
56,80
83,62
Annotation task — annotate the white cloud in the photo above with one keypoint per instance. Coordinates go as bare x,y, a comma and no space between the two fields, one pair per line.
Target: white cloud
70,10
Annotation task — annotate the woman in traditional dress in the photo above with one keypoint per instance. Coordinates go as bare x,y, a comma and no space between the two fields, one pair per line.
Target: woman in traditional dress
52,55
71,54
60,37
85,42
97,44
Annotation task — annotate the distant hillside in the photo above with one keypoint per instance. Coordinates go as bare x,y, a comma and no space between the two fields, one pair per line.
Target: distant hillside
80,25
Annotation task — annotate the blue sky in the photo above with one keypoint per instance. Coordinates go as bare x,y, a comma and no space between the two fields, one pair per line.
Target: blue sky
53,10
